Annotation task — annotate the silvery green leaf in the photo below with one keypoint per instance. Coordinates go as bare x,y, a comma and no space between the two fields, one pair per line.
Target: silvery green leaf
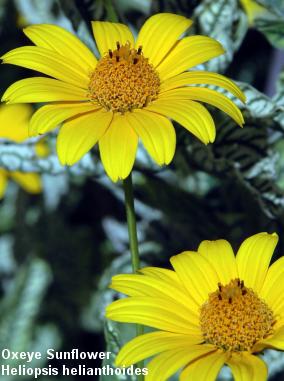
20,307
21,157
225,21
272,28
42,12
275,6
115,335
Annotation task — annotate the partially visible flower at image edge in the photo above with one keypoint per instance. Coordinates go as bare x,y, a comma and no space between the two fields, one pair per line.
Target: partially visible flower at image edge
14,121
131,92
212,309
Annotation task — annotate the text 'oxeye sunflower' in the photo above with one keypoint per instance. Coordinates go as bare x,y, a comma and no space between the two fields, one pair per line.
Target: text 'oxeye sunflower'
132,92
213,309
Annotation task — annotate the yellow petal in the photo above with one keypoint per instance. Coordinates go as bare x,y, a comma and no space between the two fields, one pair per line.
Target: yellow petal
166,364
61,41
253,259
118,148
143,285
41,148
157,134
48,62
206,368
154,312
166,275
212,97
246,367
273,288
159,34
150,344
30,182
77,136
202,77
14,121
253,10
197,275
276,341
41,89
191,115
107,34
159,273
3,183
189,52
49,117
221,256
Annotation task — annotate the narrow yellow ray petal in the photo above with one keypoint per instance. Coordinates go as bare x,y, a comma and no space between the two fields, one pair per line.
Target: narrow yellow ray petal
30,182
272,290
78,135
197,275
49,117
150,344
14,121
48,62
202,77
3,183
247,367
191,115
206,368
221,256
189,52
166,364
143,285
41,89
253,259
164,274
209,96
107,34
63,42
158,313
276,341
118,148
157,134
159,34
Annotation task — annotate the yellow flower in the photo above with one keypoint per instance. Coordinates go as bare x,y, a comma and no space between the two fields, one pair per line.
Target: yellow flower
14,120
213,309
131,92
30,182
253,10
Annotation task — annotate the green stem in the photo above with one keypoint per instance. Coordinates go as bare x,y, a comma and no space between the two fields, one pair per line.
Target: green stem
133,240
111,13
131,222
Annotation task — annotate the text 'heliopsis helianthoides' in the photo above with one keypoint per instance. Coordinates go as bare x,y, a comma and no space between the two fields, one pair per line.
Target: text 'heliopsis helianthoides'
214,309
131,92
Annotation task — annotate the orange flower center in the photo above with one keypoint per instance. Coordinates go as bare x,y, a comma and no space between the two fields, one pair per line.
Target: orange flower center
234,318
124,80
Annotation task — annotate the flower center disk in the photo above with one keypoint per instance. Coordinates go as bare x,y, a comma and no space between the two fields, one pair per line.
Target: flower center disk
124,80
234,318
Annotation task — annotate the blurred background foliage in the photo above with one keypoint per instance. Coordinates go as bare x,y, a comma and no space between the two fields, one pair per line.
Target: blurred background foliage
58,250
